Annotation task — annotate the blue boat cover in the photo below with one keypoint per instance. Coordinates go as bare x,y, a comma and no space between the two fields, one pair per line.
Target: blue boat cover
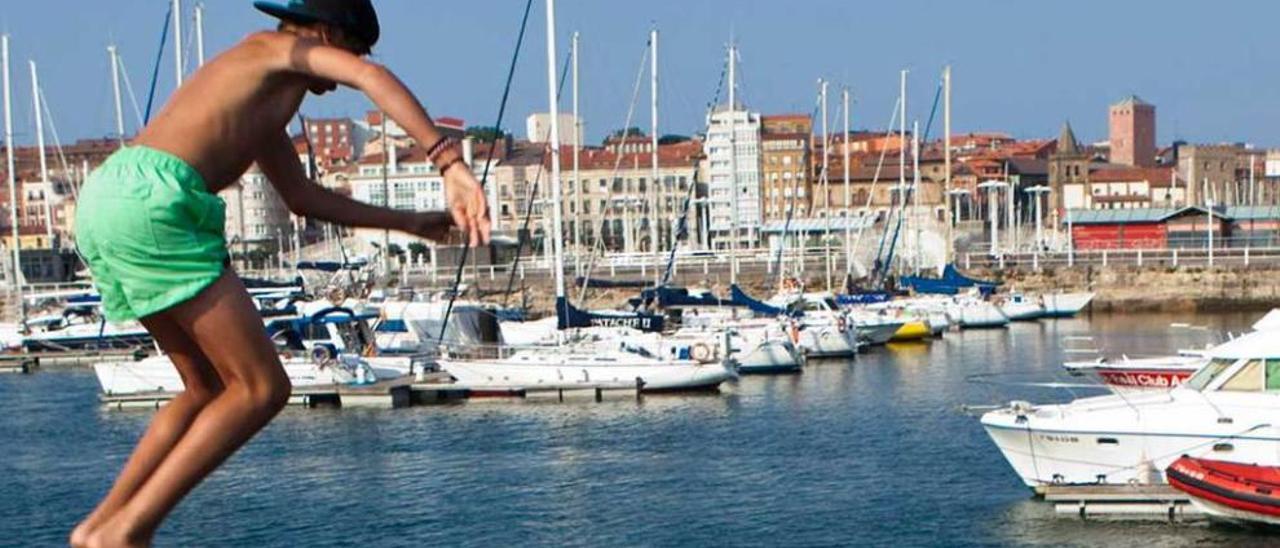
740,298
612,284
568,316
952,275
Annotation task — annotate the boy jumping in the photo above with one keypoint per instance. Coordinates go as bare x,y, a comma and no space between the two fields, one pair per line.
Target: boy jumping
150,227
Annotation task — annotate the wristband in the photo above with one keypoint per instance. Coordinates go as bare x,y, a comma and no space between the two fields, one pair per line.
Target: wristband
434,150
453,162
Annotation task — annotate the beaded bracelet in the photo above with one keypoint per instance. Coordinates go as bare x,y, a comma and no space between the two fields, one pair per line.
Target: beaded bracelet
445,143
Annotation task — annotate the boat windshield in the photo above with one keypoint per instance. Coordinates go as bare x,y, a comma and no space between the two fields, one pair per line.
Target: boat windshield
1206,374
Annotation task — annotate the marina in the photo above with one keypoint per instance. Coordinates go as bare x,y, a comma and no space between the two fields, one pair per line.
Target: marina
761,455
672,318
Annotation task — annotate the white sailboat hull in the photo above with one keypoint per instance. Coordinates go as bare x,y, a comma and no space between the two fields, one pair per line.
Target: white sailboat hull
1022,311
1066,305
551,369
158,375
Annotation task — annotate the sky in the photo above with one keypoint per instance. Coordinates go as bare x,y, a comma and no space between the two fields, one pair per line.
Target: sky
1019,66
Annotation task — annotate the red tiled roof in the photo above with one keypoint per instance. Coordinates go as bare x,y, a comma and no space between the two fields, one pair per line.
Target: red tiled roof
1155,176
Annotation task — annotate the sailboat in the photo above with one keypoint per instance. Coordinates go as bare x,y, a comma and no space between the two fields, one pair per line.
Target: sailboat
566,365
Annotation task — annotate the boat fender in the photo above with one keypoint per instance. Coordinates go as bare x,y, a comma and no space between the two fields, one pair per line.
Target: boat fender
841,324
701,353
795,332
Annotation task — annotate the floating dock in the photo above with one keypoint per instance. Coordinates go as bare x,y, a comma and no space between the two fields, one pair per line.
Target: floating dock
1160,502
404,393
18,363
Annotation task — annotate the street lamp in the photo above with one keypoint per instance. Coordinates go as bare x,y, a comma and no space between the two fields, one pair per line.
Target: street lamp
1038,193
956,194
993,206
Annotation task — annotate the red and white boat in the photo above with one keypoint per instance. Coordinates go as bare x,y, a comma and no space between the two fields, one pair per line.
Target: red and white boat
1136,374
1229,491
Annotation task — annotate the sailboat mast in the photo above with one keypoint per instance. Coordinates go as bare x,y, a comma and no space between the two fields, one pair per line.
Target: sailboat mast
902,146
946,160
655,210
554,143
13,180
733,164
177,42
848,192
44,161
115,86
577,158
200,34
826,180
915,192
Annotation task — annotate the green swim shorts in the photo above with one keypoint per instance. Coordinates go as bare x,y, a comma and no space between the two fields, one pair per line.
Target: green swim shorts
150,232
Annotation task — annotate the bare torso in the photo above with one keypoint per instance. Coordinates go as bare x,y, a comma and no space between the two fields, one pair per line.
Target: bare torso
220,119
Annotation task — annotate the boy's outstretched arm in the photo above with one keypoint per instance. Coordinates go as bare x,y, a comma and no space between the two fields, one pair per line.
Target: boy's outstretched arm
279,162
467,202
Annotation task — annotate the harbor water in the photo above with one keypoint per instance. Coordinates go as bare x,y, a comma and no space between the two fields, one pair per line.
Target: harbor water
870,452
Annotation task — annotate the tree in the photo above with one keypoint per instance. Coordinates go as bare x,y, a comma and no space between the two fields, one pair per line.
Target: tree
486,134
673,139
629,132
418,249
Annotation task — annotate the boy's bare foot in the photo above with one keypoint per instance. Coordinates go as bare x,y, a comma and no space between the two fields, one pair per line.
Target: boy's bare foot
114,535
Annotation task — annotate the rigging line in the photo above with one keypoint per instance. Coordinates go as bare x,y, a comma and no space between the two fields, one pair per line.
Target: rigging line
315,174
791,207
533,195
155,72
905,194
871,192
613,176
875,180
515,263
57,144
128,85
502,112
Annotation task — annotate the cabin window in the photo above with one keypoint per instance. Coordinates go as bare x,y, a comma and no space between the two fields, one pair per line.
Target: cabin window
1273,375
1202,377
1248,379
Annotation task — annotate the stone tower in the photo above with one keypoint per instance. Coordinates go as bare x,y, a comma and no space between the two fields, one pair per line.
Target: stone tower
1133,132
1068,165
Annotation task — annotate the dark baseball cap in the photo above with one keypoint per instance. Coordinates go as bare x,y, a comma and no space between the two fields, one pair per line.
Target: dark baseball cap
357,18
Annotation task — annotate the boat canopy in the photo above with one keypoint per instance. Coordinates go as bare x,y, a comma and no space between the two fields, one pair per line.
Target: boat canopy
864,297
740,298
674,297
568,316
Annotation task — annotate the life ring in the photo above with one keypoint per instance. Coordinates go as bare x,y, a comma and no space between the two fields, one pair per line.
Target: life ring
701,353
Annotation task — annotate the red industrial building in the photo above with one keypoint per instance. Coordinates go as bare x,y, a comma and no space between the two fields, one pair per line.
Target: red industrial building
1150,228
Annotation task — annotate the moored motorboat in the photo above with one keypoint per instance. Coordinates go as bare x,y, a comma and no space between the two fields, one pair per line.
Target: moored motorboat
1226,410
588,367
1128,374
1229,491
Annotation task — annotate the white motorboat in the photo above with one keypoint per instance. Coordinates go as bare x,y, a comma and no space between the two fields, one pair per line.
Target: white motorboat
826,331
1019,307
586,367
81,327
1065,305
1127,374
1227,411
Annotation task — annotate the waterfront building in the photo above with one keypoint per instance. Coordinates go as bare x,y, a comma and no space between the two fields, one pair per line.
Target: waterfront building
257,219
614,194
785,175
723,182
